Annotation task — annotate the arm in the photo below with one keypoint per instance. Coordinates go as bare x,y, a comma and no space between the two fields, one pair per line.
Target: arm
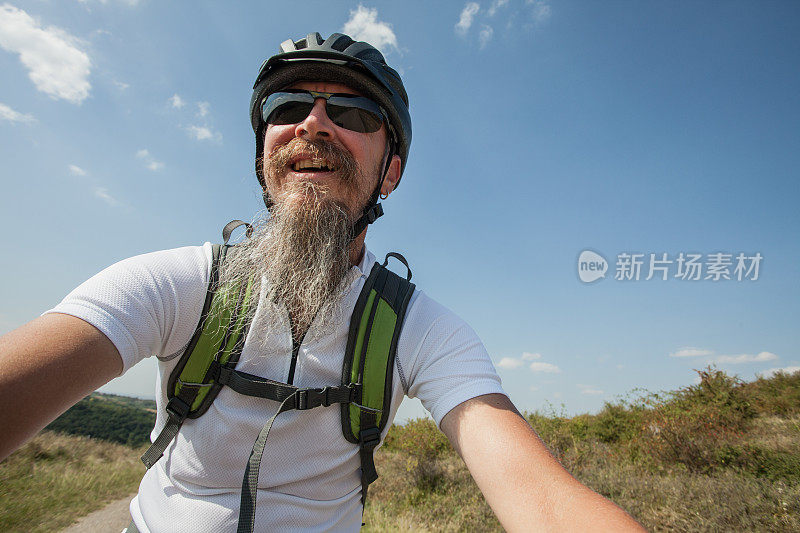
525,486
46,366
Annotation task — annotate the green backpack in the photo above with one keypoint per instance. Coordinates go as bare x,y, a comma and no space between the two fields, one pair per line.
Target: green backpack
364,395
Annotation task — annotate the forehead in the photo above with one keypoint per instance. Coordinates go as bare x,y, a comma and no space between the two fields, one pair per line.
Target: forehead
324,87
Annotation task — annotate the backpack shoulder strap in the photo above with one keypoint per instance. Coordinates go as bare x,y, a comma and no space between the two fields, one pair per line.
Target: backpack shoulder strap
369,360
219,337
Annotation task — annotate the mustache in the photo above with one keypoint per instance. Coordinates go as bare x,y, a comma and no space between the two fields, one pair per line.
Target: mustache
345,164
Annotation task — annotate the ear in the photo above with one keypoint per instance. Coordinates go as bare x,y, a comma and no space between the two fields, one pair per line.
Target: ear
392,176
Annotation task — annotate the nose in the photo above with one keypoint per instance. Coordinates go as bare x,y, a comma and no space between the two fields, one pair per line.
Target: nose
316,124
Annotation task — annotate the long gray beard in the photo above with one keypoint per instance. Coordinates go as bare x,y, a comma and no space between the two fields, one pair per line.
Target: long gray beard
301,253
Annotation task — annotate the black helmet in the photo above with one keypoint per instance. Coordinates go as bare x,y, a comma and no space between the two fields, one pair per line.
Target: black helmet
340,59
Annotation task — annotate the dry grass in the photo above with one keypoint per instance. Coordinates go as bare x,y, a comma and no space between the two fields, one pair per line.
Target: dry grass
776,433
441,496
721,455
718,456
437,496
55,479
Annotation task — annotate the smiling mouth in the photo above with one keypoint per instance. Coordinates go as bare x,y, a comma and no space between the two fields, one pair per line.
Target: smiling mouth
312,165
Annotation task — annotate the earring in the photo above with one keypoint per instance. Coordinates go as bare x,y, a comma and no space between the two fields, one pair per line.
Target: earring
383,196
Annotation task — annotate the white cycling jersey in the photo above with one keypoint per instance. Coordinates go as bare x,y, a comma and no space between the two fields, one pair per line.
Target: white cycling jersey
149,305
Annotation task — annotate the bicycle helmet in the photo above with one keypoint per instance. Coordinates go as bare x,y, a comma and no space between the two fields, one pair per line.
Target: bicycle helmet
340,59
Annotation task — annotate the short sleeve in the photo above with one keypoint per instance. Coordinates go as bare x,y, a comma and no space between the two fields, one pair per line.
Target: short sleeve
146,305
446,362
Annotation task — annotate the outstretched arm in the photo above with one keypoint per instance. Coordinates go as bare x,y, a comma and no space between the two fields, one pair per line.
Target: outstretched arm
523,483
46,366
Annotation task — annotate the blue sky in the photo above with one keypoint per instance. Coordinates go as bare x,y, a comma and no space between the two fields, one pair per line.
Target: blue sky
541,129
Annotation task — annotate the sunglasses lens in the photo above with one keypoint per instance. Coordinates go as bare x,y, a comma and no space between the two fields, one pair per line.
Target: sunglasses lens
286,108
354,118
354,113
289,113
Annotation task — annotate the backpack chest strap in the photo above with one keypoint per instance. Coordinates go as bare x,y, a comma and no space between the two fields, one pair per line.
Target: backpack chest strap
289,396
300,399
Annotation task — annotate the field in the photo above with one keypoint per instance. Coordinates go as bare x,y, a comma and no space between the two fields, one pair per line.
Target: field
722,455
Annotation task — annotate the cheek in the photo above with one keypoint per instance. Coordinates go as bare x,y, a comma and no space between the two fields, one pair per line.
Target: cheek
275,136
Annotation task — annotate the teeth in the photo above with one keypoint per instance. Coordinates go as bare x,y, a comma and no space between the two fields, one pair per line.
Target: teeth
311,163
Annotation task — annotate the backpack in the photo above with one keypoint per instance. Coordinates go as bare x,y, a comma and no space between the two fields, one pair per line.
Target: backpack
364,394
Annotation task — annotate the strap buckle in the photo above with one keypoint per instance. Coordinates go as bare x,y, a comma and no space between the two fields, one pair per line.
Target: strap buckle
374,213
311,398
177,410
369,438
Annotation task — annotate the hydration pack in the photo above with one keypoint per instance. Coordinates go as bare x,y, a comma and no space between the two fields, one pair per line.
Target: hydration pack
363,396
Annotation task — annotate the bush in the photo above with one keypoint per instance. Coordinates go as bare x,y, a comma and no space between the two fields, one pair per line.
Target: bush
424,445
695,425
617,422
777,395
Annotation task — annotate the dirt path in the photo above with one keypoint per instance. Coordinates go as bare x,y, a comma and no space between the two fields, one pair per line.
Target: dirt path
112,518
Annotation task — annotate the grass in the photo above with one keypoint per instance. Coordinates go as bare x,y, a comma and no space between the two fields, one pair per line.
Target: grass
721,455
55,479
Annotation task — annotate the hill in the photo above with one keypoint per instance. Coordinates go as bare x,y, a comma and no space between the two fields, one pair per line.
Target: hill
721,455
119,419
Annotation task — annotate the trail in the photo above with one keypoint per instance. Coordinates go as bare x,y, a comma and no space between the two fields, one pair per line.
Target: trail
113,518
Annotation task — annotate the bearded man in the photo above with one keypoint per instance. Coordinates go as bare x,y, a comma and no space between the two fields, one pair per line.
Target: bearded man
332,134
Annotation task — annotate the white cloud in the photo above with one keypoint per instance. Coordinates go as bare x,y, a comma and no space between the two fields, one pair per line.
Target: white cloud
176,101
203,133
202,109
467,15
745,358
121,85
6,113
131,3
588,389
545,367
103,194
149,161
510,362
75,170
485,35
691,352
55,64
540,10
364,25
497,4
772,371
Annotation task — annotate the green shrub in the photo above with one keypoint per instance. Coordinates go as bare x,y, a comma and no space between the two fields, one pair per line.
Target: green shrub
696,425
617,422
423,444
776,395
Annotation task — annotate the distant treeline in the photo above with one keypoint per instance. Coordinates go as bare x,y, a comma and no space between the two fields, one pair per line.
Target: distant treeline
109,417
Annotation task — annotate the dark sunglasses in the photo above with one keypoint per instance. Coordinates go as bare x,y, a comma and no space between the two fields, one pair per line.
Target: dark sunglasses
348,111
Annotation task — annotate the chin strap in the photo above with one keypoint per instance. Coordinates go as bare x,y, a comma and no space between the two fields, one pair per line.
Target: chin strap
373,210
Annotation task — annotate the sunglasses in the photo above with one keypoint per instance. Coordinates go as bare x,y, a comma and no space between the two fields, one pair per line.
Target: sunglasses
348,111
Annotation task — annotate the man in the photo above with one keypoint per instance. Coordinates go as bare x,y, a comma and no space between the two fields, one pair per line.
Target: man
332,135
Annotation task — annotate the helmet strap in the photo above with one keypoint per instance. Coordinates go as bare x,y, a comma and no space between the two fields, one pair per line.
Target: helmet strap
373,210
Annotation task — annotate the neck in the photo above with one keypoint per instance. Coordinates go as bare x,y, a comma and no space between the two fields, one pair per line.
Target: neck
357,248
